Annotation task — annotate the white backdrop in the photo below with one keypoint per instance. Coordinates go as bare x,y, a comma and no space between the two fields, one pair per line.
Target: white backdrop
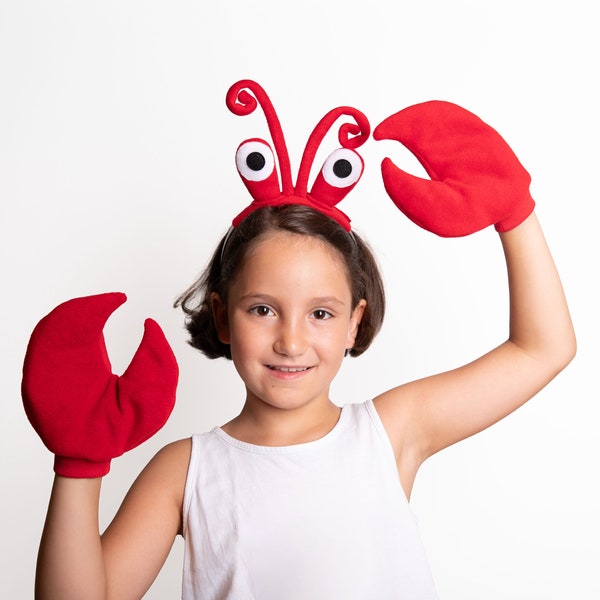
116,173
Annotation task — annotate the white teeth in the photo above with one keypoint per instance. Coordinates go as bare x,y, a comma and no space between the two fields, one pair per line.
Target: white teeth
290,369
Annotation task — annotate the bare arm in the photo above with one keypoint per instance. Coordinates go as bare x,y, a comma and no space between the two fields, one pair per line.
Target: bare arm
70,562
428,415
74,561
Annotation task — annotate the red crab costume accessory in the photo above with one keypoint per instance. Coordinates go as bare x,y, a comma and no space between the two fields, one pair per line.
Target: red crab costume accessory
256,161
476,179
84,413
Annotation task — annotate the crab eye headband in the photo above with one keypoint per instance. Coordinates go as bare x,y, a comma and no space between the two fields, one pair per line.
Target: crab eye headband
256,161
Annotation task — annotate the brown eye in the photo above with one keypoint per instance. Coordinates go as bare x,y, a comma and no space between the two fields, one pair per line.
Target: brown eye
321,315
261,311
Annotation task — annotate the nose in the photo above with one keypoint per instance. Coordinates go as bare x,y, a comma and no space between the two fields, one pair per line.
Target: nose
290,339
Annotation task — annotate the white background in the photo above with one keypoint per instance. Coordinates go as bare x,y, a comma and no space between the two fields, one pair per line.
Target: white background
117,173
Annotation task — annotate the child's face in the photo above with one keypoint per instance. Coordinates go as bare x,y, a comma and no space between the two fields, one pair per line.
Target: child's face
289,320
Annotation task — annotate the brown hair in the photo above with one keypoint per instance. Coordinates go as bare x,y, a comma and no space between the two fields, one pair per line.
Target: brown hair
229,256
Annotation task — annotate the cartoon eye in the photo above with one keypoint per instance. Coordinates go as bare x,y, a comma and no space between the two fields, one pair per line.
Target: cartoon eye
342,168
254,160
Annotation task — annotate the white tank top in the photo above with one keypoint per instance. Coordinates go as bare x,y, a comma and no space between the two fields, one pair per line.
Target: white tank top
325,520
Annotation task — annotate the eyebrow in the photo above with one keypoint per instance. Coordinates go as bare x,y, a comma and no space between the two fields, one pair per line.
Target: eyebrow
257,297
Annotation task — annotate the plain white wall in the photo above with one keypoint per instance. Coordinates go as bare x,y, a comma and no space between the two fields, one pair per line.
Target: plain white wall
116,173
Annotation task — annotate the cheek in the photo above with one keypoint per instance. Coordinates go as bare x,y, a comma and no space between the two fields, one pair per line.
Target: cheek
242,353
246,336
333,340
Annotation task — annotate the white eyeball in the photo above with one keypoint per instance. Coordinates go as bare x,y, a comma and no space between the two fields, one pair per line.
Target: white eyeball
342,168
255,160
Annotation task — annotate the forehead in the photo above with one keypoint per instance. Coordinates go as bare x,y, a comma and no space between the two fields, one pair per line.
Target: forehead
294,260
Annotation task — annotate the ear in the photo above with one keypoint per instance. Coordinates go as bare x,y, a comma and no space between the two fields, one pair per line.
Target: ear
221,320
355,319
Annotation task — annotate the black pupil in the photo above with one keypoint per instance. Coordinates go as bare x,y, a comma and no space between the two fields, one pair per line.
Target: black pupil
342,168
255,161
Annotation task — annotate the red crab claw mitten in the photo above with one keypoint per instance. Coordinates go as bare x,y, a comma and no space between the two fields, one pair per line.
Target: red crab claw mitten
476,179
84,413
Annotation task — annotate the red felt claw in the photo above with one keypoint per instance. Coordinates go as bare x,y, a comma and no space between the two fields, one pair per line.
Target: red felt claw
84,413
476,179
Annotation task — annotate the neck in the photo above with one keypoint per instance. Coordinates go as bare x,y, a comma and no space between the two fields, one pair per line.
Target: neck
264,425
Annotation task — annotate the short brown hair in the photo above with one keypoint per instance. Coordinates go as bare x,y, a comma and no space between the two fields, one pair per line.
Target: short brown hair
228,258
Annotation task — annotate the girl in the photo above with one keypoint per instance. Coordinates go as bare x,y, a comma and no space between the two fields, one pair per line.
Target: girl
298,498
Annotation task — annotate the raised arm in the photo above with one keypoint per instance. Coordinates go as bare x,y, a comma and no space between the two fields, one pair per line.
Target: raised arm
76,562
487,186
87,416
70,560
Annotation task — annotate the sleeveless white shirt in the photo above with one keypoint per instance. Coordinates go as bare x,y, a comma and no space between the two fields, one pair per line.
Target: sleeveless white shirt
324,520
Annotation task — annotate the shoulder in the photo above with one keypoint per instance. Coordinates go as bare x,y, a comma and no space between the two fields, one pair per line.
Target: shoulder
175,451
167,472
396,411
172,459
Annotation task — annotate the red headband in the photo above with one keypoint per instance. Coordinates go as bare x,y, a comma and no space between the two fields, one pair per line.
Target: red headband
255,159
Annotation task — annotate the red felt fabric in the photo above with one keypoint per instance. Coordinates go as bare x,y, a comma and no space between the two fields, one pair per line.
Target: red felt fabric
85,414
322,197
476,179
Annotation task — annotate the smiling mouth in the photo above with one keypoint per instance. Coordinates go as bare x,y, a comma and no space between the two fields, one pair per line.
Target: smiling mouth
288,369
